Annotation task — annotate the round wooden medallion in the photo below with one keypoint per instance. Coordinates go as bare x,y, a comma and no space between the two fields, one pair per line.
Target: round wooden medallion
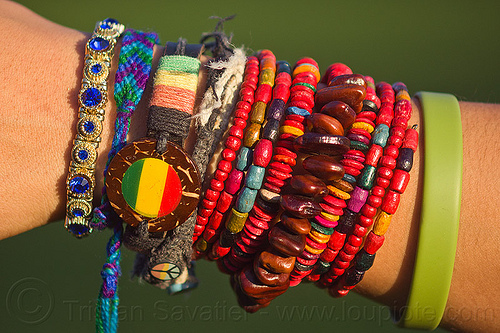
161,189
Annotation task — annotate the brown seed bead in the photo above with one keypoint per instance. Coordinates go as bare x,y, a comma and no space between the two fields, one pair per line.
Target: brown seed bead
340,111
314,143
351,94
356,79
285,242
275,262
248,303
323,167
309,185
324,124
270,278
250,285
343,185
252,135
258,114
295,225
300,206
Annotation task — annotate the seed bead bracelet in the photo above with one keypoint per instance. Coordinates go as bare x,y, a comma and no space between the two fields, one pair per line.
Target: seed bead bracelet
232,144
92,101
257,219
252,133
269,275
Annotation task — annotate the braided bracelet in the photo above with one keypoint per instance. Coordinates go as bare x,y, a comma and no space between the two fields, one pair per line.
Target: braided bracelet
92,101
136,55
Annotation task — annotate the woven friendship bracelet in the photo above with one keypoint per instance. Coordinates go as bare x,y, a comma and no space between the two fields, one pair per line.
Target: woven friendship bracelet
134,67
92,101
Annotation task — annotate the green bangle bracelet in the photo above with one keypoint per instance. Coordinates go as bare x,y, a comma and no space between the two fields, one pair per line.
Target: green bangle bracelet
440,213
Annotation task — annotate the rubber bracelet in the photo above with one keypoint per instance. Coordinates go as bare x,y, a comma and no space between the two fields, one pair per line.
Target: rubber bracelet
440,213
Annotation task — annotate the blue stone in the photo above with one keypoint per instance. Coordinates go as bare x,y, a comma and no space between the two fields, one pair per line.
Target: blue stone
98,43
246,199
83,154
244,159
380,135
78,229
255,177
89,126
296,110
79,185
91,97
110,20
96,69
77,212
349,178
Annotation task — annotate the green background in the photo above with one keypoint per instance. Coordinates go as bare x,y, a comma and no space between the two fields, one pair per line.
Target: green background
445,46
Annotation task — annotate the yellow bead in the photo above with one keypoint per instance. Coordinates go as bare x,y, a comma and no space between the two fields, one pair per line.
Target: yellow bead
201,245
267,77
329,217
291,130
312,250
338,193
307,68
258,113
362,125
236,221
403,94
252,135
319,237
382,223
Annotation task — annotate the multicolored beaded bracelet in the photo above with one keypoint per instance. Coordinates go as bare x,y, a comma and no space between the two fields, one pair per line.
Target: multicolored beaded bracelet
232,144
256,285
238,227
92,101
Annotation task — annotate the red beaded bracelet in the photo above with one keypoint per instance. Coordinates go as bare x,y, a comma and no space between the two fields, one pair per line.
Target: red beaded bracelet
232,144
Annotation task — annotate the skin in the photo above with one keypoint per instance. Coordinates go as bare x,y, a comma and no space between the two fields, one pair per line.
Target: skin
39,124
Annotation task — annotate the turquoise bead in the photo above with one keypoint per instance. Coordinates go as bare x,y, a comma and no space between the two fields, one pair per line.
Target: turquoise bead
296,110
380,135
367,177
358,145
244,159
255,177
245,200
349,178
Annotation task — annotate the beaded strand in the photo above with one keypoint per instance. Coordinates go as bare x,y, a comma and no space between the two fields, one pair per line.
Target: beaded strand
268,277
232,145
396,182
249,233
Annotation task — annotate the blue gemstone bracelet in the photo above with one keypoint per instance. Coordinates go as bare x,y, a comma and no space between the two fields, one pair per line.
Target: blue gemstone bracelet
92,101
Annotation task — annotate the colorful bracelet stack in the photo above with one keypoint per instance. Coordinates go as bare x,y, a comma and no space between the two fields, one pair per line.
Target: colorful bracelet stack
308,197
92,100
